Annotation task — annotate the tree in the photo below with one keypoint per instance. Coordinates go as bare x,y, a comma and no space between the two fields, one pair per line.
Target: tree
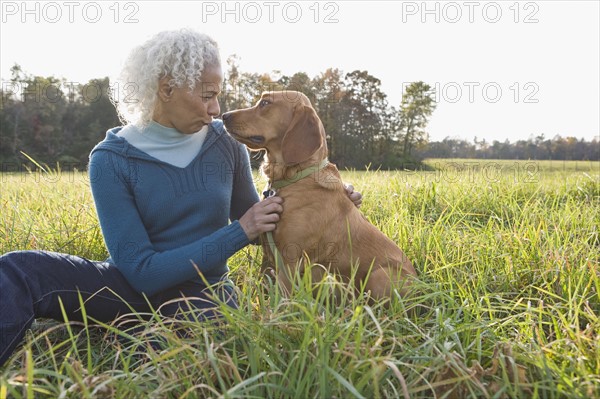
299,81
242,89
328,91
10,117
87,118
417,106
366,106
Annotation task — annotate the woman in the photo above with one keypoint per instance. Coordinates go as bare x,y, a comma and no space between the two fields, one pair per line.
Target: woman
174,196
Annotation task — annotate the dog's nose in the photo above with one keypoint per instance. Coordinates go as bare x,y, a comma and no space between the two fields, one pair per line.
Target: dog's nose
226,116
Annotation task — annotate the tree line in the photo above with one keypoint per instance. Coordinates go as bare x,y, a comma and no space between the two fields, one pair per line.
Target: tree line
535,148
53,120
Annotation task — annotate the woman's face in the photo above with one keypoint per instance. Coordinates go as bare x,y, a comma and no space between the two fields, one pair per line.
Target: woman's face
189,111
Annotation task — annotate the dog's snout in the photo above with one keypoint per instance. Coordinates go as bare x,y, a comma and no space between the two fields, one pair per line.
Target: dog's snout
226,116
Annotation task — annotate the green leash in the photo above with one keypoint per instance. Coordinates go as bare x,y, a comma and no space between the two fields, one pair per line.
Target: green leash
300,175
270,191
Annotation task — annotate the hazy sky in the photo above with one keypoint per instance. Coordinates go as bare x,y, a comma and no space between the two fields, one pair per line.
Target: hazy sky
503,69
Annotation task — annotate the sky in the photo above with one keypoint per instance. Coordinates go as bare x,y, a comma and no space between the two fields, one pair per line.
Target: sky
501,69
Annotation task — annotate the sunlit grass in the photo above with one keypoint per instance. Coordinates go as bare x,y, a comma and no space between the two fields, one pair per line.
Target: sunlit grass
507,303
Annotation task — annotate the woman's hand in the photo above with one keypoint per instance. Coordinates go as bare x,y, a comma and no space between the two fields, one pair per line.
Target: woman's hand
354,196
262,217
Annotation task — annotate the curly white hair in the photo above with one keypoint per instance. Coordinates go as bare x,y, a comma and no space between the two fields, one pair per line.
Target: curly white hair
181,54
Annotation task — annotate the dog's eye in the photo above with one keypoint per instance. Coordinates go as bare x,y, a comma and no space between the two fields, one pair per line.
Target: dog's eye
263,103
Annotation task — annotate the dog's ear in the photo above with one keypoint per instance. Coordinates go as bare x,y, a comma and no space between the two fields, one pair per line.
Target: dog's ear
304,136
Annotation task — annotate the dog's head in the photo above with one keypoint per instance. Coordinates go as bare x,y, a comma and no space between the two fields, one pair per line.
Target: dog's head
284,123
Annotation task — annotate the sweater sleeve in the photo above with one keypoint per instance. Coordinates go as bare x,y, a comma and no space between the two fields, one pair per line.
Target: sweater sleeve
244,193
147,270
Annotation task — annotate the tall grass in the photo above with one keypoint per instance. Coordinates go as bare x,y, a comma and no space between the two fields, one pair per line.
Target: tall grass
507,303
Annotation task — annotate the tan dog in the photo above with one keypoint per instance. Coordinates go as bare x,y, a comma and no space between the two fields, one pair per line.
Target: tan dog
319,221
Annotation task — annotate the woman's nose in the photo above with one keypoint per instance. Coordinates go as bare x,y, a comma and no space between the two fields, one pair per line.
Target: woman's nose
213,108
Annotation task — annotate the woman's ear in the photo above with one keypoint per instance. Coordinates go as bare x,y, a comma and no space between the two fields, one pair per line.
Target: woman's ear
304,136
164,89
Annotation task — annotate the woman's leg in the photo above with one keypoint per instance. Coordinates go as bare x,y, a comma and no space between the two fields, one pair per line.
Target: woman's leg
31,283
194,301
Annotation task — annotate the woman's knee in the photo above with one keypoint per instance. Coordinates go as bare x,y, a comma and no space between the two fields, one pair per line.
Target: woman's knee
29,262
18,267
197,301
18,258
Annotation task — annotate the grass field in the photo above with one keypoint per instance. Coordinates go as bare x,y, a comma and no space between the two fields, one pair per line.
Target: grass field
508,255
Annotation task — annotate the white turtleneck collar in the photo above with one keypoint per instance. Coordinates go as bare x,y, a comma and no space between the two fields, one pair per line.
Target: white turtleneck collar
164,143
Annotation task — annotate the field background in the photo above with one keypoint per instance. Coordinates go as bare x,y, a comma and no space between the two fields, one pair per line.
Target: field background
508,306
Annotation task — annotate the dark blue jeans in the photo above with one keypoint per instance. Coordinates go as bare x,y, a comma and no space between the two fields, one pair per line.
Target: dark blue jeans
31,283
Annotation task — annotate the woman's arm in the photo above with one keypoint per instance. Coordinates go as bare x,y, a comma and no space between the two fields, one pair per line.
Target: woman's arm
147,270
244,193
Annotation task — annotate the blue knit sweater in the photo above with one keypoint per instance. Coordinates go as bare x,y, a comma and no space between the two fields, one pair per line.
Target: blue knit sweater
163,224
